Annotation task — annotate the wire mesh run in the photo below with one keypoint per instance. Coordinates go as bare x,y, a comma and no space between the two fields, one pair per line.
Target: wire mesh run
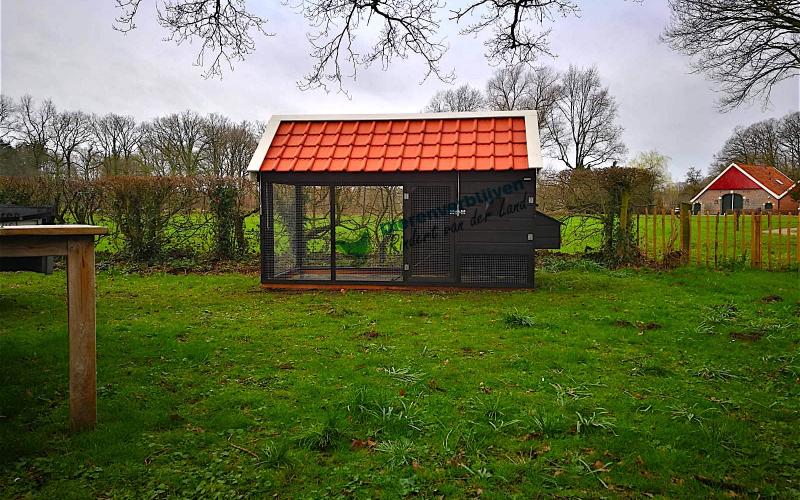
384,234
369,233
302,232
489,269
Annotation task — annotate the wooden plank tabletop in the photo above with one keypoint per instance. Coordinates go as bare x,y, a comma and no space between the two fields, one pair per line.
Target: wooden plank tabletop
53,230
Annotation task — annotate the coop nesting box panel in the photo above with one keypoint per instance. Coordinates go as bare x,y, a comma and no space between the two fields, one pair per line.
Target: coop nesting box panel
11,215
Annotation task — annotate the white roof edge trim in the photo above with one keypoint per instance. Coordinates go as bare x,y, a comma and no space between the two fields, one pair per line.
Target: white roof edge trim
533,143
740,169
263,144
404,116
787,191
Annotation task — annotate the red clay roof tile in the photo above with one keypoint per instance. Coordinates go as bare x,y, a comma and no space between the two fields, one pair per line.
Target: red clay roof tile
485,137
432,138
775,180
399,145
316,128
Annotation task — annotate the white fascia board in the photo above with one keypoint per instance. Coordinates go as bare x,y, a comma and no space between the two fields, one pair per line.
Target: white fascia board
787,191
263,144
403,116
534,145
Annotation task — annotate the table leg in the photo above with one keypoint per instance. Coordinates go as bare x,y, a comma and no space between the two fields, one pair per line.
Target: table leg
81,309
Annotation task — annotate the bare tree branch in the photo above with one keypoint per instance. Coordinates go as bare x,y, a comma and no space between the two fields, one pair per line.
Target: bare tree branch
224,28
406,27
512,40
746,46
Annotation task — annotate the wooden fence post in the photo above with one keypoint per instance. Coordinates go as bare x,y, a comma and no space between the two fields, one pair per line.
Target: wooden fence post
644,241
743,221
655,235
735,230
779,257
769,241
686,229
716,241
756,242
708,237
724,238
797,242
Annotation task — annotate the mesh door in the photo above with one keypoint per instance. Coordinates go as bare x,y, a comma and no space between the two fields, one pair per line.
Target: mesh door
284,224
429,244
315,238
369,233
301,225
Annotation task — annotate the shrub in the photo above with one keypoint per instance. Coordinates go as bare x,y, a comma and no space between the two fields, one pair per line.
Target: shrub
227,198
144,209
82,200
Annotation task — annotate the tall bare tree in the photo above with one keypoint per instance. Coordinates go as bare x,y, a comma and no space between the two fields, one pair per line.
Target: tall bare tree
176,143
89,159
773,142
215,129
7,108
242,140
118,138
34,132
518,87
583,121
70,131
462,98
228,146
789,141
746,46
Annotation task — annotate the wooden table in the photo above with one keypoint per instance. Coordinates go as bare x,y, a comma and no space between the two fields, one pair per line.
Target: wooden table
76,242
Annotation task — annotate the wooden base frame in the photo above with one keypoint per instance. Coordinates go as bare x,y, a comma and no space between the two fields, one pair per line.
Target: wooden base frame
404,287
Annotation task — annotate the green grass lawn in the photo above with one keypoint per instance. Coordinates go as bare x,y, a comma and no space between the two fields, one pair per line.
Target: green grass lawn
615,383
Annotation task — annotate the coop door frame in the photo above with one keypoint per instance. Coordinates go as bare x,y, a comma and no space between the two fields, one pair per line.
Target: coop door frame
413,249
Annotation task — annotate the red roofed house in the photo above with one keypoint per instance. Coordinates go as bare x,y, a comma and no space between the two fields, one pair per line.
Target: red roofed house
445,199
746,187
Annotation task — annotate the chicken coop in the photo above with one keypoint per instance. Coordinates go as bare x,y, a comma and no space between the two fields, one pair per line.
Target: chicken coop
417,200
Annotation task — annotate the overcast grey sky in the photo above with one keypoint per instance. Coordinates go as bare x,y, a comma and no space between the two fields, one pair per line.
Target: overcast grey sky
67,50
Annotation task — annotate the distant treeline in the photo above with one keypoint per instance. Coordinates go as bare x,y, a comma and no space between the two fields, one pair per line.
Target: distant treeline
36,138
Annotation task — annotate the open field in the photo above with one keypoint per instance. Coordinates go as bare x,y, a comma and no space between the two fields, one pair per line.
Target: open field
681,384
